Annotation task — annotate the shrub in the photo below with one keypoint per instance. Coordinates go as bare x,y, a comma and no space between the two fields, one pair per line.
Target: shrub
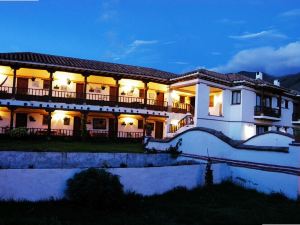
95,188
18,132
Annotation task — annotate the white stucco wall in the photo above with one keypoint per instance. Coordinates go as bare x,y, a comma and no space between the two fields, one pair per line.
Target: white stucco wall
270,139
204,143
43,184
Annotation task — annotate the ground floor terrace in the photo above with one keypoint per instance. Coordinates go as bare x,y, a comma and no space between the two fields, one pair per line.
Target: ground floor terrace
63,123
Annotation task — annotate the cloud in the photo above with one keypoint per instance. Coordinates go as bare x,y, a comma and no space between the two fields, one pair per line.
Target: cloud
261,34
231,22
108,10
179,63
138,43
290,13
275,61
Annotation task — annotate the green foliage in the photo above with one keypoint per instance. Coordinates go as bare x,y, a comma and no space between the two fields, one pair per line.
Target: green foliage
95,188
219,204
174,150
18,132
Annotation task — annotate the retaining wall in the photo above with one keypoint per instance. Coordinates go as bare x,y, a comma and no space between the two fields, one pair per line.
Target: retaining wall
52,160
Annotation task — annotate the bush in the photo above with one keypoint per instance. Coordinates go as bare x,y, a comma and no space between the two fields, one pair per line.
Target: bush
95,188
18,132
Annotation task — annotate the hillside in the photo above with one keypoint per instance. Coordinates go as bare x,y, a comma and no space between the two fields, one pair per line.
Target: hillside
291,81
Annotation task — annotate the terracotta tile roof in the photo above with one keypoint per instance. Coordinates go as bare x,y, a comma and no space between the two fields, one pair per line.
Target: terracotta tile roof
82,64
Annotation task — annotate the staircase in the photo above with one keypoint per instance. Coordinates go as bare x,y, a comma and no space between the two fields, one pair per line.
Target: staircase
183,124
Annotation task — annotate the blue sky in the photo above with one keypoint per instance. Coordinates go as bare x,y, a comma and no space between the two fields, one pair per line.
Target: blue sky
172,35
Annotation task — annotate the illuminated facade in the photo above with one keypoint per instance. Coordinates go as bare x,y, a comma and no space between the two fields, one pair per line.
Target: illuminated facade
62,96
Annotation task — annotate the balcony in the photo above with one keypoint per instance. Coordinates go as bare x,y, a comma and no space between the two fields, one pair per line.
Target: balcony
182,108
296,118
267,113
32,94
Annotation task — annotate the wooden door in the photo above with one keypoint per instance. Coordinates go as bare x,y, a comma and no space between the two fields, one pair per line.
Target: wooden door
159,127
77,126
160,98
112,93
22,86
79,90
111,128
192,105
21,119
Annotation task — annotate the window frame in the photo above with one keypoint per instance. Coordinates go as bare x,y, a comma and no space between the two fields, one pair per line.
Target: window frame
238,97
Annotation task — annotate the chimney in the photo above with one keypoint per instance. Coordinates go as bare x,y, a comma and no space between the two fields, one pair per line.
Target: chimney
259,75
277,82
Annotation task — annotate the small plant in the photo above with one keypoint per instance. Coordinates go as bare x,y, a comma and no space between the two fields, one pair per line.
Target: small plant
148,129
208,173
95,188
174,150
91,89
18,132
123,165
56,87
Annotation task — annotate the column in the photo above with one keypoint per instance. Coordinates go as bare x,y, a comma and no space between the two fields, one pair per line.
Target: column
14,82
145,94
12,113
170,101
144,125
201,102
84,131
85,86
49,119
116,123
117,91
50,84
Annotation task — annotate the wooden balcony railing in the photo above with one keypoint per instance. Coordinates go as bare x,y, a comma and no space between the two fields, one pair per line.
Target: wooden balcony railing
266,111
91,98
157,105
71,133
187,120
182,108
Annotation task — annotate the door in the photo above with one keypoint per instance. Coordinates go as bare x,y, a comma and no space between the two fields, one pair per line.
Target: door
192,105
21,119
113,94
79,90
160,98
159,127
111,128
22,86
77,126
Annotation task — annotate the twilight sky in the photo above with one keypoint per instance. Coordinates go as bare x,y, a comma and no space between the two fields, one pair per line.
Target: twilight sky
172,35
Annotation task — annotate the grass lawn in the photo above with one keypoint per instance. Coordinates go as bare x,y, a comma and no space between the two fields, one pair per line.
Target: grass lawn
220,204
69,146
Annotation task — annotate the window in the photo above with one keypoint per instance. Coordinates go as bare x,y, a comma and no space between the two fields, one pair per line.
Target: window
258,100
261,129
278,102
286,104
99,123
46,84
268,102
211,101
236,97
140,124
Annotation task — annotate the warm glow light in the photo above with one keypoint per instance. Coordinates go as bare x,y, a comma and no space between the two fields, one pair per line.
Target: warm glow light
128,120
218,99
174,122
62,78
175,95
58,115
